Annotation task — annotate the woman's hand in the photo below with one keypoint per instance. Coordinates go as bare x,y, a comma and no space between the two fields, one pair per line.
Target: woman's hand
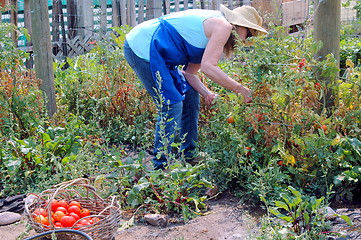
246,93
208,99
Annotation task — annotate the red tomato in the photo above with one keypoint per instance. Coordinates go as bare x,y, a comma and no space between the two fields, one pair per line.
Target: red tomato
67,221
259,117
249,152
84,222
324,128
74,209
58,224
64,204
58,215
84,212
77,226
76,216
54,205
40,211
41,219
230,119
75,203
64,210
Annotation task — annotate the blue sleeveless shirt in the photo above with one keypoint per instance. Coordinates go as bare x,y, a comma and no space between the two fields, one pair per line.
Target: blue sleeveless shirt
169,42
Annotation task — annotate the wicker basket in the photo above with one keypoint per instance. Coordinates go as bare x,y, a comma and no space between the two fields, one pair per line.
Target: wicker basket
106,210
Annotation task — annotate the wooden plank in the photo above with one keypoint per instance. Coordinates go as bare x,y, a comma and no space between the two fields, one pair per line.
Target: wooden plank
27,17
128,11
115,13
27,24
230,4
71,18
196,4
166,6
132,13
185,4
202,4
140,11
176,5
210,4
270,8
85,17
154,9
56,20
103,15
123,12
294,12
14,19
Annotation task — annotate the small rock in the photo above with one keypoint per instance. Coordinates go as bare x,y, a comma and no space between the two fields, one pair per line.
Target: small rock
330,213
156,219
211,191
9,218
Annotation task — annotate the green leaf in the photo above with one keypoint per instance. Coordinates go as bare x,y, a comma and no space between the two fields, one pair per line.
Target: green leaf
347,219
137,188
283,205
306,217
295,192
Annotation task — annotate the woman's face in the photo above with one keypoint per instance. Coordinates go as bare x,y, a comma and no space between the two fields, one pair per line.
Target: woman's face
243,34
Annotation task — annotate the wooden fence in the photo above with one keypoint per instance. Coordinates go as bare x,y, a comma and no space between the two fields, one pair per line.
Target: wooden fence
78,22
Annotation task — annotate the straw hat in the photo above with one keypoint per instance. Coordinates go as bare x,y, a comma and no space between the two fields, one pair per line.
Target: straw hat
245,16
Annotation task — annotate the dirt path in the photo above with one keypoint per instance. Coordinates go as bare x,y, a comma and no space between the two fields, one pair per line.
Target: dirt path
226,219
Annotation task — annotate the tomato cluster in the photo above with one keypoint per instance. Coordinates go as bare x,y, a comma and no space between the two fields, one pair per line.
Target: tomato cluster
64,214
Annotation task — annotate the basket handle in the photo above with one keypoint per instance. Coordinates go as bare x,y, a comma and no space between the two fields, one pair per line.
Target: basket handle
75,182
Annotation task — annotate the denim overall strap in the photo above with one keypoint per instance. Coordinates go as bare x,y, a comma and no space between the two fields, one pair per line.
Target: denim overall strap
168,51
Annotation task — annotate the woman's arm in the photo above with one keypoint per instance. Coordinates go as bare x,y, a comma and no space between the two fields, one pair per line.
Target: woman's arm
196,83
218,31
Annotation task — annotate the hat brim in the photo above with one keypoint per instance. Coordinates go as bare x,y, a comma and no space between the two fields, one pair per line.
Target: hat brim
241,21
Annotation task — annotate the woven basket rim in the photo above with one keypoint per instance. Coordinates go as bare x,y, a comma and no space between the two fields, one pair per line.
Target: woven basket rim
106,210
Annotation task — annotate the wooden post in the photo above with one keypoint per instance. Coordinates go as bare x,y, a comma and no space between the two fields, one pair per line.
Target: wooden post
154,9
27,17
140,11
85,18
115,13
71,18
103,16
123,12
176,5
14,19
63,33
56,20
327,30
27,24
132,13
185,4
166,6
43,52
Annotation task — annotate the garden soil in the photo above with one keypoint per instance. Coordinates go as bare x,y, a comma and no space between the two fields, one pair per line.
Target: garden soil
225,219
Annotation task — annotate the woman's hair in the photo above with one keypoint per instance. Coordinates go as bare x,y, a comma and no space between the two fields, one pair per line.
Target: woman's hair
231,43
233,40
